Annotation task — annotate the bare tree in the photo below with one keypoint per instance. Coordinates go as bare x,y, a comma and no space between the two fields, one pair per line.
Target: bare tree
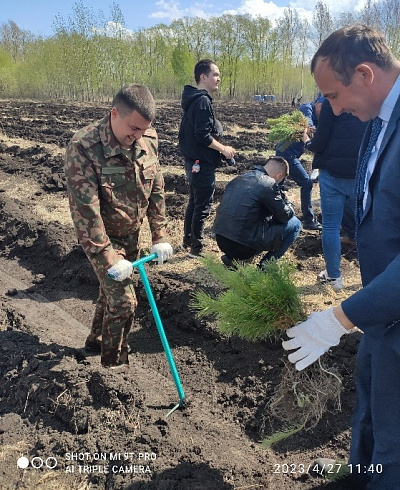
288,32
323,22
13,39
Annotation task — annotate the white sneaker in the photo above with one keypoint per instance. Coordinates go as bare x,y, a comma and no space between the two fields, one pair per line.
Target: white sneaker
314,175
337,283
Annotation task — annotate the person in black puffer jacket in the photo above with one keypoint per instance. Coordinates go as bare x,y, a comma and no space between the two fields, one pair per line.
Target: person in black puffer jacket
255,216
336,144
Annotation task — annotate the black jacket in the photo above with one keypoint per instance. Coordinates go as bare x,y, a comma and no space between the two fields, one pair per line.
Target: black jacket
198,127
336,142
250,207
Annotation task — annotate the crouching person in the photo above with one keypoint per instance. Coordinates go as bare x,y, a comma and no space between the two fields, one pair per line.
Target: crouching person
254,215
114,181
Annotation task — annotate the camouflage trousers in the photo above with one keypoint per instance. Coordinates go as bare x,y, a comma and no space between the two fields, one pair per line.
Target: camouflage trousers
114,312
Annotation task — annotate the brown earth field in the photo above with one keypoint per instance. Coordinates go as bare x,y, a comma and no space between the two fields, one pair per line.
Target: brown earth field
80,426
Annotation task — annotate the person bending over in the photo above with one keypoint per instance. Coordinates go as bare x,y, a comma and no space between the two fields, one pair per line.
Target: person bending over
114,182
254,215
297,172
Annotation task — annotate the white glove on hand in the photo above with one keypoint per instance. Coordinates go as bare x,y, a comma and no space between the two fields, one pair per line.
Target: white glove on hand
121,270
163,250
313,338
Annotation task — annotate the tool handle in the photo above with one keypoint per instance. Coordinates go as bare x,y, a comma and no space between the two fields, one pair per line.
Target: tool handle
136,263
145,259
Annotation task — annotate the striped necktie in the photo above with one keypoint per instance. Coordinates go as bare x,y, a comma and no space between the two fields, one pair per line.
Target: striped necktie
362,170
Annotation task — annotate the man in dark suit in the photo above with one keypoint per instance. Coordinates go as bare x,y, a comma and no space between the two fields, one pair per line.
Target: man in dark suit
357,73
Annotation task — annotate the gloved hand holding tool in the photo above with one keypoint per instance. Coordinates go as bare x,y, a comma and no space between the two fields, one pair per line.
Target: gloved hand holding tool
163,251
313,338
121,270
166,251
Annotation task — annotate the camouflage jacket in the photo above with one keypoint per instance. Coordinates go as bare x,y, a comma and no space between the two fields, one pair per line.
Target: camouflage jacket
110,193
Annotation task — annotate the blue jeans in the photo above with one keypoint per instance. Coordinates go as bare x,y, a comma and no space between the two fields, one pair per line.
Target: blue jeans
336,193
298,173
290,231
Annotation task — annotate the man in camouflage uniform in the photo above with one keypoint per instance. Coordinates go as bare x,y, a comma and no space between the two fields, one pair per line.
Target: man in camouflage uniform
114,181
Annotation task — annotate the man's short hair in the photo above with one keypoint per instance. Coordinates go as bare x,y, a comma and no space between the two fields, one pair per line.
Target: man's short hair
349,46
280,165
202,66
135,97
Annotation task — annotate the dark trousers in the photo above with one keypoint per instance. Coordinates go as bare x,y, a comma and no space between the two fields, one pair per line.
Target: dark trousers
285,234
348,220
201,194
375,437
234,250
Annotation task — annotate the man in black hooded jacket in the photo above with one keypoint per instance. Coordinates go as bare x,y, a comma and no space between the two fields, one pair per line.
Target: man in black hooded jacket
198,143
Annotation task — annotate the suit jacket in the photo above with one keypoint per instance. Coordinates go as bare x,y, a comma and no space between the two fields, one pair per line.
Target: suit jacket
377,306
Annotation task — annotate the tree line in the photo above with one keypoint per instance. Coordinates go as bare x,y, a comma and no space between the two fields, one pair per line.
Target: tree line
91,55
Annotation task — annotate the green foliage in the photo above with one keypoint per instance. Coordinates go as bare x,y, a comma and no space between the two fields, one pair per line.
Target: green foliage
7,73
255,304
287,128
255,56
340,470
92,54
182,63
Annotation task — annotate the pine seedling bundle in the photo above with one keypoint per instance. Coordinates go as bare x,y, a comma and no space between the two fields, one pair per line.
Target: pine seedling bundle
287,128
258,304
255,304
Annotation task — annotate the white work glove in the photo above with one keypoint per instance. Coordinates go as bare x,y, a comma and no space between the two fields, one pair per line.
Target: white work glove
121,270
313,338
163,251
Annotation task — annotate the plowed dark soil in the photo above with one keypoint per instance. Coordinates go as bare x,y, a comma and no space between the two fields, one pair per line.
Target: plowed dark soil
84,427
